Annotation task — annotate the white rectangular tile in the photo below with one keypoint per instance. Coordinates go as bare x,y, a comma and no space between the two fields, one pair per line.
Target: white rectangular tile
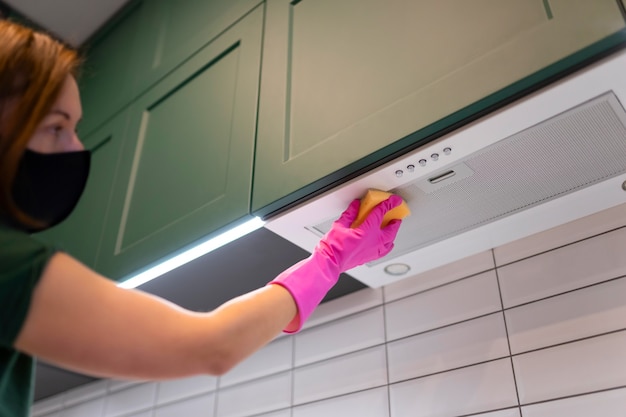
346,305
259,396
91,408
131,400
470,390
52,414
273,358
370,403
602,404
282,413
86,392
582,313
568,268
200,406
48,405
451,347
178,389
574,368
466,267
345,335
147,413
353,372
586,227
511,412
441,306
120,384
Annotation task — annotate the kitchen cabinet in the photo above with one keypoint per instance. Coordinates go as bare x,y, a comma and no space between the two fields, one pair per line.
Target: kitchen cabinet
185,168
171,32
106,79
80,234
146,42
346,84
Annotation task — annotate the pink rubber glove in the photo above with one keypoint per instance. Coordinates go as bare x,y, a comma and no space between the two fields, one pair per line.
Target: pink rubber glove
341,249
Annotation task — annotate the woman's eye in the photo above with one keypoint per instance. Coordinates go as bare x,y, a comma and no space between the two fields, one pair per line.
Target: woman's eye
56,130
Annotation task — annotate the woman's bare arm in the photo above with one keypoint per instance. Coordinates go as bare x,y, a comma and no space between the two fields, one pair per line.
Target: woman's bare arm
82,321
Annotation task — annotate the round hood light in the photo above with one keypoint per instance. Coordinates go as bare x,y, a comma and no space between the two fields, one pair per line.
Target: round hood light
397,269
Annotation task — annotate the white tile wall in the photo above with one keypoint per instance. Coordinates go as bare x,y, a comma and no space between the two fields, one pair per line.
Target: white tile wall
595,224
130,400
463,268
582,313
350,304
574,368
435,346
178,389
273,358
118,384
282,413
53,414
441,306
371,403
345,335
470,390
511,412
259,396
201,406
564,269
356,371
451,347
91,408
47,406
602,404
86,392
147,413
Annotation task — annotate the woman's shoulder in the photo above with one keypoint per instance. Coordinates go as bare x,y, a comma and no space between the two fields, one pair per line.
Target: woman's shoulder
19,249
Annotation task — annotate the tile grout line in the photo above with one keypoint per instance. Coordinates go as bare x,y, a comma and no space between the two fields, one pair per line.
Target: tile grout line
336,319
482,413
569,342
216,393
506,330
445,284
157,393
547,297
425,375
385,338
292,369
564,245
185,398
582,394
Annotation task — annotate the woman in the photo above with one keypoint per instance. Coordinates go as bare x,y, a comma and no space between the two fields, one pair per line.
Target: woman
55,308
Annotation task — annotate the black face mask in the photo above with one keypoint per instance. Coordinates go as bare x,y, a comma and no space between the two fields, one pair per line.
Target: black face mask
47,187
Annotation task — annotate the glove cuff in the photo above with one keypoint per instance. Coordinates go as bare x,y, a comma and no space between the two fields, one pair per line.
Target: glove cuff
308,281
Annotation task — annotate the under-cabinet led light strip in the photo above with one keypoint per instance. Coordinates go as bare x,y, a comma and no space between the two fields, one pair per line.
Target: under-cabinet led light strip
195,252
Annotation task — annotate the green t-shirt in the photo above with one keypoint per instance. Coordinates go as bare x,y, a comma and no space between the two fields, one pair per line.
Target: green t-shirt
22,260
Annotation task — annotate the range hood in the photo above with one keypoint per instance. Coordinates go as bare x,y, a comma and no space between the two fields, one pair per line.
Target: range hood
553,157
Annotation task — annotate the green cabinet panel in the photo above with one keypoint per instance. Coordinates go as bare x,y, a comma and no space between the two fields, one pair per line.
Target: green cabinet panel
186,166
343,80
110,69
80,234
172,31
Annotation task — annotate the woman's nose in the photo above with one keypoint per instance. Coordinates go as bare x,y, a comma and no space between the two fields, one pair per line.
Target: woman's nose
75,144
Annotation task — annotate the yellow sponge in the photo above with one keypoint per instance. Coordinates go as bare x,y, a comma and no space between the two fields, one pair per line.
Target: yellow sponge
371,199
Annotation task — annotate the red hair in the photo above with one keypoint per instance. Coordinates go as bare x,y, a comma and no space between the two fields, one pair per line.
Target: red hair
33,68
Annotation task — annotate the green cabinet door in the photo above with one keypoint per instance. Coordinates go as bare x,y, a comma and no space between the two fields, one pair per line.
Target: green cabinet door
80,234
186,165
110,68
172,31
343,80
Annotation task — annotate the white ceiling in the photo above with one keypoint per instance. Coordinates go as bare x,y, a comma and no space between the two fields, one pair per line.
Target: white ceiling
74,21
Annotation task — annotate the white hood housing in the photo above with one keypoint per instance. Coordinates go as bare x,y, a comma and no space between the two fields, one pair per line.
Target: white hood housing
551,158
